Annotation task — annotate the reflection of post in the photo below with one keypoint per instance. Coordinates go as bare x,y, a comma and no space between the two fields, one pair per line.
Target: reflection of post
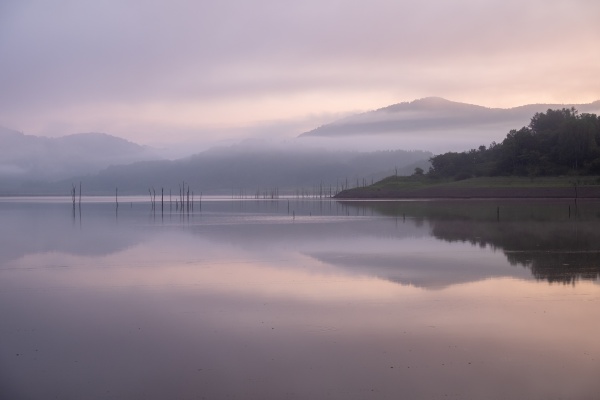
575,186
73,195
498,213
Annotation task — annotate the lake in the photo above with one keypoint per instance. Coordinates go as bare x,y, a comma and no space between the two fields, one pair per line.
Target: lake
299,299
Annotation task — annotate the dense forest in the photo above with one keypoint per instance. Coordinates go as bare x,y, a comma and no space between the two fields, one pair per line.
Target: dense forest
557,142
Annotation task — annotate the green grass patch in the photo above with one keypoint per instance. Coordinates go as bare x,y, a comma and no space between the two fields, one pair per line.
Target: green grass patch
501,186
418,182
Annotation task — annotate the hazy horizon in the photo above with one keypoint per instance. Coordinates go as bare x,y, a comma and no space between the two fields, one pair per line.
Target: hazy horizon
438,125
208,73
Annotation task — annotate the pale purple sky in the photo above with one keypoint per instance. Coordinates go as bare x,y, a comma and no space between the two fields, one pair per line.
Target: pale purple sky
159,71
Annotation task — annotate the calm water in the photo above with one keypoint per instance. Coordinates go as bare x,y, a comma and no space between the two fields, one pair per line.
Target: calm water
299,300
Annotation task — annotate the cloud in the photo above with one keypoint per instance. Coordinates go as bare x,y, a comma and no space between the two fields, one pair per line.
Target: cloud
230,63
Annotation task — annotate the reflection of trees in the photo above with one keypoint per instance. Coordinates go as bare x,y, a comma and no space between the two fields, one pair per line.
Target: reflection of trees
565,267
558,241
554,251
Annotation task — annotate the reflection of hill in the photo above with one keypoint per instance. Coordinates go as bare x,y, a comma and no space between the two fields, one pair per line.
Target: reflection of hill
46,228
536,235
431,271
554,251
542,236
565,267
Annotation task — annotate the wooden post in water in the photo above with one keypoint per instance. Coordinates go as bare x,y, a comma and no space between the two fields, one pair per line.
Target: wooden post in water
183,196
117,197
73,195
498,213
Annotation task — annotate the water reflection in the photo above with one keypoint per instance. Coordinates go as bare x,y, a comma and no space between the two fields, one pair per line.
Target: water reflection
32,228
558,241
400,241
261,300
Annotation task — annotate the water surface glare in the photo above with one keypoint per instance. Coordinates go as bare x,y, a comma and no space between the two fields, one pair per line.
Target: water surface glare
299,299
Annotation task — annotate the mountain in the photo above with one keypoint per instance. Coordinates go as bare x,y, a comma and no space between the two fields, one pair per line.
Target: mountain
27,157
40,165
438,124
248,168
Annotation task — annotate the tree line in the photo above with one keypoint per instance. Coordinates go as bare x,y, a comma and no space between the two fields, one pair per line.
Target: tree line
556,142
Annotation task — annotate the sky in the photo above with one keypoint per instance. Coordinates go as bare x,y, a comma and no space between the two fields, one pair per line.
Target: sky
158,72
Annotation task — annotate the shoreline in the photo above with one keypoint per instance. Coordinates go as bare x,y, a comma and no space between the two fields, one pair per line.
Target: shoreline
432,192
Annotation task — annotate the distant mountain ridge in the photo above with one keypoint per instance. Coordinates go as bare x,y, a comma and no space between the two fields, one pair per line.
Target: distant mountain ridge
32,164
250,169
437,114
38,165
43,158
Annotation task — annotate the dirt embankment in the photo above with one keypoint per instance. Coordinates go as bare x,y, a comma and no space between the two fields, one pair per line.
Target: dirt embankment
472,193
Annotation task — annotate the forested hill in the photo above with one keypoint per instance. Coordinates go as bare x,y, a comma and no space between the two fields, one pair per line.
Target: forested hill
556,142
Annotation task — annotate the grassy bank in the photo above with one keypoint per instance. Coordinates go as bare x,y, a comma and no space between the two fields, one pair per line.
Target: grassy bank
422,186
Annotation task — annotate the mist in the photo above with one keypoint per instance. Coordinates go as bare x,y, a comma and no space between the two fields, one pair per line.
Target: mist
209,71
353,150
